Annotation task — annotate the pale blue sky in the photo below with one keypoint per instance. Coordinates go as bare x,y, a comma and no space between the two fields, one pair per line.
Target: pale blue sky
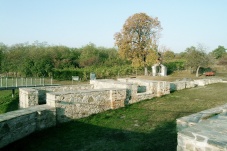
75,23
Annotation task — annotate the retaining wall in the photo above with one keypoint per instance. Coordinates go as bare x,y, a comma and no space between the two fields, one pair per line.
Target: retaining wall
18,124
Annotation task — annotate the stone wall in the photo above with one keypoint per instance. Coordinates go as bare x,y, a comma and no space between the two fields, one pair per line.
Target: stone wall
203,82
149,88
75,105
131,89
37,95
65,103
18,124
157,88
206,130
180,85
28,97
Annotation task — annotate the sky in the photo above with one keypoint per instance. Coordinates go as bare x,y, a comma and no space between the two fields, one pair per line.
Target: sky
76,23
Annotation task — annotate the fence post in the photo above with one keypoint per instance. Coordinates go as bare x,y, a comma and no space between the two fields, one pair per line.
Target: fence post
16,82
22,82
51,81
6,81
13,92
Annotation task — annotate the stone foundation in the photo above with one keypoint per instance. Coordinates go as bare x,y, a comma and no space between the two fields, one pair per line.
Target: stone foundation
157,88
37,95
75,105
18,124
64,103
205,131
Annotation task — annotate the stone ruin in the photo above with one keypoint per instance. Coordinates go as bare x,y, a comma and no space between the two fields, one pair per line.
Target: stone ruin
43,107
205,131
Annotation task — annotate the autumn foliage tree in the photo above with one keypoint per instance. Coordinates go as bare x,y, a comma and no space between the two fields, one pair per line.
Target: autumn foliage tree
137,41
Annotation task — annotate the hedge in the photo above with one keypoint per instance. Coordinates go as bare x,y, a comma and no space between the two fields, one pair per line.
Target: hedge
100,72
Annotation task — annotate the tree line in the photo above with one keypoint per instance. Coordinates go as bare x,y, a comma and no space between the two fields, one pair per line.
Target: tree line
40,59
136,49
43,60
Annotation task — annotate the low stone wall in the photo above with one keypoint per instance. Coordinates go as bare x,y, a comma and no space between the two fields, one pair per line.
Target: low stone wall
158,88
28,97
203,82
205,130
65,103
137,89
180,85
75,105
18,124
37,95
131,89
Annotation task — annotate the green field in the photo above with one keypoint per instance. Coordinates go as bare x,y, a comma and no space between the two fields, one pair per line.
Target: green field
149,125
7,103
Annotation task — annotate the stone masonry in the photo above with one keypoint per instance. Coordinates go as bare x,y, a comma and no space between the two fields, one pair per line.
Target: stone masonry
37,95
18,124
75,105
205,131
64,103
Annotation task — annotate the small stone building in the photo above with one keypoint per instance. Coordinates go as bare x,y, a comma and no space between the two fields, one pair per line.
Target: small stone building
159,70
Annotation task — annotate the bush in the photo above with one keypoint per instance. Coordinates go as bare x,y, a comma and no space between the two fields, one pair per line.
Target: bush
174,66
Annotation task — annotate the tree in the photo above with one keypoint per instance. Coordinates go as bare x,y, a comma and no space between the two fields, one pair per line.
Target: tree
196,58
137,41
223,60
89,55
168,56
3,48
219,52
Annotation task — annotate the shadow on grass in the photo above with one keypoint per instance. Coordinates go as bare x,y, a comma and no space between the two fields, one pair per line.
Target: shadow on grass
80,136
7,103
14,103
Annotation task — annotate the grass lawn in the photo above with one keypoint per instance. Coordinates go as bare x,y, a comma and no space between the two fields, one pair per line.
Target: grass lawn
7,103
148,125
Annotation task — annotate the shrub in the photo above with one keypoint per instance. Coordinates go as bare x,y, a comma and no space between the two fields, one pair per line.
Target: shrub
174,66
100,72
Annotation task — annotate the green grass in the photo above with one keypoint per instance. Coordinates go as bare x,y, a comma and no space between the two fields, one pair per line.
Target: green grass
7,103
148,125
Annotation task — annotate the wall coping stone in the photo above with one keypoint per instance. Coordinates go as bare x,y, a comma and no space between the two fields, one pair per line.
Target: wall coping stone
86,91
212,131
25,111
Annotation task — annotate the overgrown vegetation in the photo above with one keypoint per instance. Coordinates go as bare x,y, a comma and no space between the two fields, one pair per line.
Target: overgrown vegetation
148,125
